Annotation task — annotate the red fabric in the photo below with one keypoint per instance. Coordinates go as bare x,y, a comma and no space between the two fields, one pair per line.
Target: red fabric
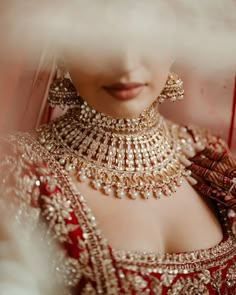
231,129
73,250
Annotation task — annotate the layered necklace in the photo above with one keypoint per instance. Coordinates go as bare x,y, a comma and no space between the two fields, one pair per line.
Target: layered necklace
134,158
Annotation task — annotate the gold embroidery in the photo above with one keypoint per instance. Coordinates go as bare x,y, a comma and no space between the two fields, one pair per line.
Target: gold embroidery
88,290
18,183
137,281
216,281
231,275
180,273
156,286
167,279
191,286
182,262
101,267
23,171
183,266
184,285
72,270
69,270
132,282
55,209
84,261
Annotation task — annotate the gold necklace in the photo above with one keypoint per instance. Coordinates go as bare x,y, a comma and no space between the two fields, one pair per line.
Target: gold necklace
137,157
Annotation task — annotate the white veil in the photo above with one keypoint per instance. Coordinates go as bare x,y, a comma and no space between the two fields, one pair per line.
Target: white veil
202,33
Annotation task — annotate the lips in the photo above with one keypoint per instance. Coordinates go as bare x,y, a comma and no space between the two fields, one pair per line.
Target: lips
125,91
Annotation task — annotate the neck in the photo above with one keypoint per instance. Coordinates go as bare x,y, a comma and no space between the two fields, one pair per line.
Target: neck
88,117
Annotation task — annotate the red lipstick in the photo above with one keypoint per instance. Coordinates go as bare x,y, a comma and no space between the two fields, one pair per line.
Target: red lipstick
125,91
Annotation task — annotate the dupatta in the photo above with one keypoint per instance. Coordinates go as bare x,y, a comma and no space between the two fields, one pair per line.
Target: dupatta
23,93
24,82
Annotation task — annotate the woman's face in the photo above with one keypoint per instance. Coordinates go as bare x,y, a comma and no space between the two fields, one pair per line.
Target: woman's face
121,84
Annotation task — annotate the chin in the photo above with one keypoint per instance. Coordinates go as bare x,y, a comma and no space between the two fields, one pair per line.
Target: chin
127,109
120,109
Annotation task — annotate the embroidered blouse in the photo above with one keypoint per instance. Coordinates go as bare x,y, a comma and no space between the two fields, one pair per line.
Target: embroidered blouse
36,185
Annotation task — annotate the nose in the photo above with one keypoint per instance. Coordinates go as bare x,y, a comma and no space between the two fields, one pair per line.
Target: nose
127,61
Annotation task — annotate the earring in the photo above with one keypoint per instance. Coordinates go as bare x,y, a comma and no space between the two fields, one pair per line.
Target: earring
173,89
62,92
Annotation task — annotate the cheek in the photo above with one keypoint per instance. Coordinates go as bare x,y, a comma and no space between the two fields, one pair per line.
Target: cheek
81,80
158,80
75,75
159,73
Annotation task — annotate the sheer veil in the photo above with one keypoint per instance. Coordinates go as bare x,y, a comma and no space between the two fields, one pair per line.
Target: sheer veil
24,81
23,89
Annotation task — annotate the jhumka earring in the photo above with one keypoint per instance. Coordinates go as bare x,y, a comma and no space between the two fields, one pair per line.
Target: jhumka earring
62,92
173,89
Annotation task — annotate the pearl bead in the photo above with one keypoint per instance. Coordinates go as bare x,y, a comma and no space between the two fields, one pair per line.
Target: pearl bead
62,161
147,194
68,167
96,184
168,192
174,188
42,140
48,147
133,194
82,177
37,182
159,194
120,194
188,172
179,181
107,190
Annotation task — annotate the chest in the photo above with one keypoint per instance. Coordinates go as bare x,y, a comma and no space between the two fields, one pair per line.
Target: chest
182,222
92,264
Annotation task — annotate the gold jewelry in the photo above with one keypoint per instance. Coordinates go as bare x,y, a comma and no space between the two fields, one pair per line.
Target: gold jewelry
62,91
233,181
173,89
122,157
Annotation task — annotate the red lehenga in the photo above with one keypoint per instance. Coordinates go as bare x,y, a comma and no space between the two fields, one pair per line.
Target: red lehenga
86,262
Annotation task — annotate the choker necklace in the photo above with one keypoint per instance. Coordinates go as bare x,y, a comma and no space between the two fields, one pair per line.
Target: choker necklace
138,157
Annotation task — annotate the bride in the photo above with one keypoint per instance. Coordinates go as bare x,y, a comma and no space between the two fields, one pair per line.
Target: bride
110,180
